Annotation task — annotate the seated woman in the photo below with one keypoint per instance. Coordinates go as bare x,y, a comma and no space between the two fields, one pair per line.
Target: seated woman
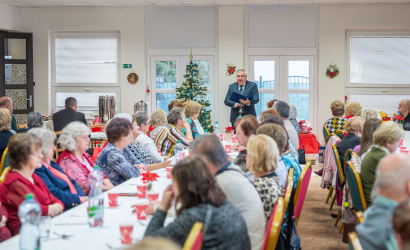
336,124
192,110
261,160
245,127
386,140
34,120
158,121
74,160
112,159
200,199
5,129
366,141
25,157
353,130
56,180
353,109
279,135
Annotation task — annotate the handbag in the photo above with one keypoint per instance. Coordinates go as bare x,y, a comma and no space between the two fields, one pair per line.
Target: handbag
301,153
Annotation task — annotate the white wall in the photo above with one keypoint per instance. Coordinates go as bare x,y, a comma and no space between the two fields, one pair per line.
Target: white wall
9,17
128,21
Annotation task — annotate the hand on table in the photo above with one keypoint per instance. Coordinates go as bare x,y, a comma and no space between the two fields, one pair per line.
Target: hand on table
244,102
54,209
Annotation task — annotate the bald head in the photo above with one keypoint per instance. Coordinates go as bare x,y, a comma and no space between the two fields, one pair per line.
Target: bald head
393,177
6,102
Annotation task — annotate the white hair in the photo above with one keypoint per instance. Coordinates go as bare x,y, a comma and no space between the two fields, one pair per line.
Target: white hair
70,133
46,137
124,115
293,113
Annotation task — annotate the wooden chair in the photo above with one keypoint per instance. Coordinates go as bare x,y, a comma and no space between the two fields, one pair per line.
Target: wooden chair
355,187
354,242
274,225
4,160
359,216
301,191
194,239
21,126
59,150
3,175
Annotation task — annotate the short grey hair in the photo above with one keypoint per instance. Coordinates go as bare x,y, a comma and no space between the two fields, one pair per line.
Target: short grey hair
241,70
141,117
35,120
46,137
210,147
124,115
406,102
70,133
282,108
293,112
175,114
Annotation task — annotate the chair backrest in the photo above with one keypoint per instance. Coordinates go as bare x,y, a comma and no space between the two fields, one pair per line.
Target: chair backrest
274,225
290,175
3,175
354,241
21,126
348,155
338,164
194,239
359,216
288,192
355,187
58,147
301,190
340,135
325,132
4,160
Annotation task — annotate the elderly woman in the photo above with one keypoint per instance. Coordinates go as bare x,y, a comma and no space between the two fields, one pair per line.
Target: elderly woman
353,108
245,127
56,180
353,130
336,124
34,120
386,140
74,160
199,199
192,110
24,158
113,160
368,114
5,129
366,140
158,121
261,161
293,113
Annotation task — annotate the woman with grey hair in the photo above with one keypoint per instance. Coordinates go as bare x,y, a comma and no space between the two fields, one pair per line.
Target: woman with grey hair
293,113
34,120
57,181
74,160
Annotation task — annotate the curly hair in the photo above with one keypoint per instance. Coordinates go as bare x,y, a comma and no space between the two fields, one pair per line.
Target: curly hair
353,107
337,107
70,133
46,137
118,128
158,118
5,119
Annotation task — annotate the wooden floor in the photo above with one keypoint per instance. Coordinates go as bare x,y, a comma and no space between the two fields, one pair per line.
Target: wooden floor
316,227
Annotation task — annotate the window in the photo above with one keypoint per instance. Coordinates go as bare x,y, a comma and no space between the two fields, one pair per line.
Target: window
84,66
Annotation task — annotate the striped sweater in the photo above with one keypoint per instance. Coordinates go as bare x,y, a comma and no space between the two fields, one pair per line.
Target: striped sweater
168,138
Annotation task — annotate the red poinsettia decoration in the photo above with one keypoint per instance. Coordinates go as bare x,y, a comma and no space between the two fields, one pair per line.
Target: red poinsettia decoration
149,176
228,129
399,118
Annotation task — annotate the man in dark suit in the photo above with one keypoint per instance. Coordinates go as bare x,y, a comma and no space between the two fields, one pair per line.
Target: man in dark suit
243,87
67,115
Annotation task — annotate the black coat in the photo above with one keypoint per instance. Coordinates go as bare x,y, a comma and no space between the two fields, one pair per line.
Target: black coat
66,116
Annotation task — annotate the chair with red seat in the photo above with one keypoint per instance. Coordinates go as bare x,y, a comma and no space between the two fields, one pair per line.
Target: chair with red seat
301,190
195,237
274,225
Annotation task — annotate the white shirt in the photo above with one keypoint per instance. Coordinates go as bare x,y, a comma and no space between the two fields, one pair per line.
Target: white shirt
149,146
293,135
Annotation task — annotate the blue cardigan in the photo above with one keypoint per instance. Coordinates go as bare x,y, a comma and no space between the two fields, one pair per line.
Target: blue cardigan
58,187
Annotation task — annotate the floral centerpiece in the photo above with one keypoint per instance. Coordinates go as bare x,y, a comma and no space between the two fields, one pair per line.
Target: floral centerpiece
384,116
149,177
45,118
399,119
228,133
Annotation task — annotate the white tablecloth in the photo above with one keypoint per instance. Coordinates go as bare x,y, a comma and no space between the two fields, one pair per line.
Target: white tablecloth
74,222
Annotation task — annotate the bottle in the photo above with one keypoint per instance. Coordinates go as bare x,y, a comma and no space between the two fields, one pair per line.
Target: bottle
95,199
216,129
179,151
30,215
206,131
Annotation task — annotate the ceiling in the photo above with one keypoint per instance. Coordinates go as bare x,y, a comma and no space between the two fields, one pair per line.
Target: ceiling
153,3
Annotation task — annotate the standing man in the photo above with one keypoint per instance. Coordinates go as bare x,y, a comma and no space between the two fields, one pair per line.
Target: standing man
68,115
6,102
404,111
243,87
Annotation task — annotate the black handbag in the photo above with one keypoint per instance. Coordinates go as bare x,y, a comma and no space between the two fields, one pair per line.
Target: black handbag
301,152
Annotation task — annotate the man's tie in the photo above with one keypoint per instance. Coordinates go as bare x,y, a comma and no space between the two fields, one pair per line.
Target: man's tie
241,90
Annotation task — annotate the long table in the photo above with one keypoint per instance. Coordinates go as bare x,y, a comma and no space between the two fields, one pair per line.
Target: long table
74,222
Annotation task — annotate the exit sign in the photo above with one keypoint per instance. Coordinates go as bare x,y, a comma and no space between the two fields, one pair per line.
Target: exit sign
127,66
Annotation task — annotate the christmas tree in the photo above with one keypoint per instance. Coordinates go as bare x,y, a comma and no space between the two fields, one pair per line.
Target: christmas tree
193,89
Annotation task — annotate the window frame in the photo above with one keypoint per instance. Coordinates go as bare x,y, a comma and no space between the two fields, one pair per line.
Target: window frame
371,33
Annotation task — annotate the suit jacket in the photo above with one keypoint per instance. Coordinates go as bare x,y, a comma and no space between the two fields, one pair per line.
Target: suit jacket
66,116
250,87
58,187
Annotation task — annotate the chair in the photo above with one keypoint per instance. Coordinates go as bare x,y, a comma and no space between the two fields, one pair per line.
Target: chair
194,239
348,155
341,178
301,190
359,216
356,188
290,175
274,225
3,175
288,192
97,128
354,242
325,133
4,160
58,147
21,126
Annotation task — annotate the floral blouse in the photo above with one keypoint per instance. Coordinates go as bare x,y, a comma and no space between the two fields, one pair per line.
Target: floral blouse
75,169
139,153
269,189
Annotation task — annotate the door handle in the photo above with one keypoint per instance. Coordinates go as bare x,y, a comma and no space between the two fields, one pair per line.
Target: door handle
31,101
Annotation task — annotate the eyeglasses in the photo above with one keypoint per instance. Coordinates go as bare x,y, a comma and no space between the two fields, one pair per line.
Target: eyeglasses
37,153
